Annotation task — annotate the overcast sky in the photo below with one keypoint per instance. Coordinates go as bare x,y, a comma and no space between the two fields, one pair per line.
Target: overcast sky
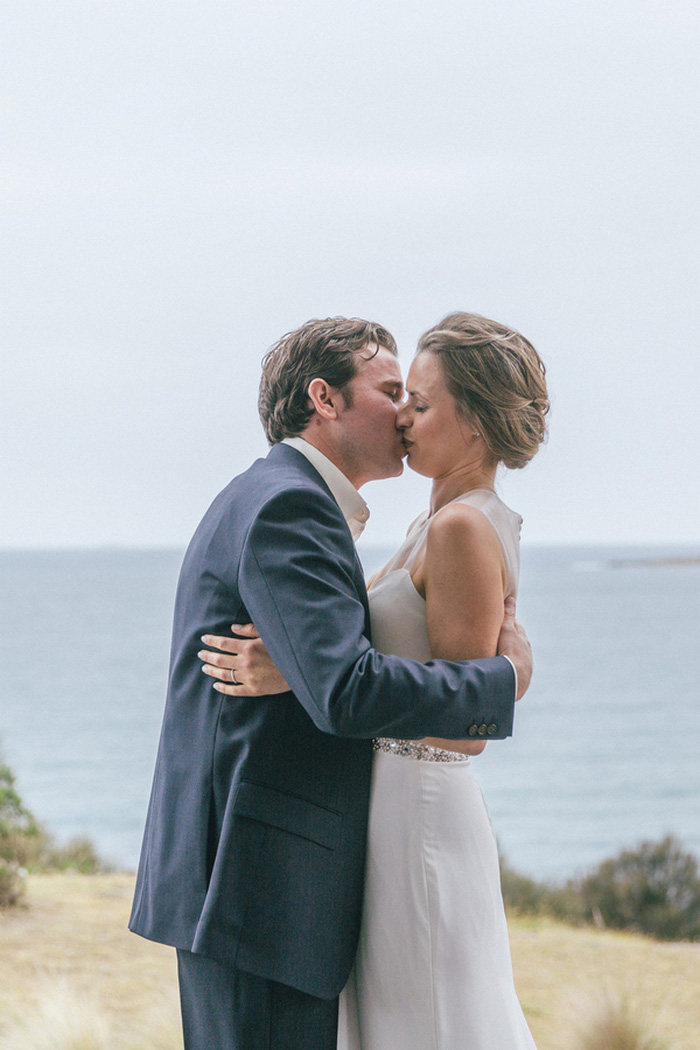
181,183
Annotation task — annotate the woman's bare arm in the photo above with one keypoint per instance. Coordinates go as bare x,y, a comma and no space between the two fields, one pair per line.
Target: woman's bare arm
462,577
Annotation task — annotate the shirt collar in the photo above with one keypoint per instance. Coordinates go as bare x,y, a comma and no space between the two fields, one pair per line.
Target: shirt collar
354,509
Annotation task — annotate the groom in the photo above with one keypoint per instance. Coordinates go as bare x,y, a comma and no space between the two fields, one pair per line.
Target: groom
253,854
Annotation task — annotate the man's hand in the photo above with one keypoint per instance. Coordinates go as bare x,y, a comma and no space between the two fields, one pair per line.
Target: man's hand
244,667
513,643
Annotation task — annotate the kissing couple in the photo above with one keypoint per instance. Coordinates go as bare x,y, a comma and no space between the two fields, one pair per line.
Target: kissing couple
317,848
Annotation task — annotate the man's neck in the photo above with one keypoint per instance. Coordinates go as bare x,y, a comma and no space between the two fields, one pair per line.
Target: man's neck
351,503
313,437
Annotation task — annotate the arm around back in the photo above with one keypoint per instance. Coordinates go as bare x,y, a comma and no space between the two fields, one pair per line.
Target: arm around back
301,584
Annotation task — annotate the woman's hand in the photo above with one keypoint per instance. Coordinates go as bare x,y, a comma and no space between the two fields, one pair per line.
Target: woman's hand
244,666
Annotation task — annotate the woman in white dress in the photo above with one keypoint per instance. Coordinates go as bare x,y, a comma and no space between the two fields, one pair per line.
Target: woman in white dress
433,969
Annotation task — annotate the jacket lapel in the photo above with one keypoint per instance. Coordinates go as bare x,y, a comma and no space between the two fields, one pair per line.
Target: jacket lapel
291,458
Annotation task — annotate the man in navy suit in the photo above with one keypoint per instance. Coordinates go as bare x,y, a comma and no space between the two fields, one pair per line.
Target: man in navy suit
253,854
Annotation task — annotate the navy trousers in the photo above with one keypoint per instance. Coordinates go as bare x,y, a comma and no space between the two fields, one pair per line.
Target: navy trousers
227,1009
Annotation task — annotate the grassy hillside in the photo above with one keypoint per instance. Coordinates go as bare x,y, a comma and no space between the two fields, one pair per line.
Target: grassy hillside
71,976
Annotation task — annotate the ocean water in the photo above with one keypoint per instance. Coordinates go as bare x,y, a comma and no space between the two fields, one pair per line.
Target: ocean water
605,751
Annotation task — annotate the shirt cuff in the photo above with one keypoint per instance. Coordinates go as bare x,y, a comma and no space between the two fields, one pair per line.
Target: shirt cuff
515,674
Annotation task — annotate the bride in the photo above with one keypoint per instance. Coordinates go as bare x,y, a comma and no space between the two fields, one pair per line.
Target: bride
433,969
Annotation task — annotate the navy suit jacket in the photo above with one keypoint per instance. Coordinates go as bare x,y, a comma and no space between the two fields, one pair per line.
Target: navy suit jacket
254,846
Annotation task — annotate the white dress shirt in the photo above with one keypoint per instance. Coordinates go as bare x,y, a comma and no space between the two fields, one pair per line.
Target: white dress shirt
354,509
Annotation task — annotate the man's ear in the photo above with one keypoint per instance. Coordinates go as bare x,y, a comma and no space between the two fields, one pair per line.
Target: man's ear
324,398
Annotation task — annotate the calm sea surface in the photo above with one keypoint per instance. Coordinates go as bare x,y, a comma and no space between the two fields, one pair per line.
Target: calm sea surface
605,752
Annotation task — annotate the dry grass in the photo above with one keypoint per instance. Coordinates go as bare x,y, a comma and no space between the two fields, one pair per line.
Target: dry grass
59,1020
575,982
616,1025
73,978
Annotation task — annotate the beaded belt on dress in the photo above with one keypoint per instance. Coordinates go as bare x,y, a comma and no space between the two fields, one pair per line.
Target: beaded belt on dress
414,749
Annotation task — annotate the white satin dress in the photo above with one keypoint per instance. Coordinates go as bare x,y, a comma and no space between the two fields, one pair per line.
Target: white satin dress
433,968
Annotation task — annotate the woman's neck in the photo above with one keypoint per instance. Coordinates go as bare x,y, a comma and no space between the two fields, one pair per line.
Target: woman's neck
455,484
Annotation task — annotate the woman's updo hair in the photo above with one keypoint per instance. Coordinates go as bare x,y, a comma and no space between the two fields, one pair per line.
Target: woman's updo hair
497,379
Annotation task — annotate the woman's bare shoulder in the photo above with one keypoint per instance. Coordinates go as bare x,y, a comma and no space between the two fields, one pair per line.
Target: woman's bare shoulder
461,540
458,523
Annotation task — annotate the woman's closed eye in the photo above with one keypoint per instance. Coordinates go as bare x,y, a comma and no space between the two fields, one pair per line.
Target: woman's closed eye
415,404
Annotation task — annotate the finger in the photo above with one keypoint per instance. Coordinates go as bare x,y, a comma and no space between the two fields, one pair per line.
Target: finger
229,689
218,642
218,659
222,673
510,606
250,651
247,630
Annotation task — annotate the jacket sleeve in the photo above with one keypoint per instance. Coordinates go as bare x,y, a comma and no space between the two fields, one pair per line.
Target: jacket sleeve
297,578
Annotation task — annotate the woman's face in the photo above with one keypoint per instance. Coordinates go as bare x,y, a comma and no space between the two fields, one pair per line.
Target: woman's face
438,440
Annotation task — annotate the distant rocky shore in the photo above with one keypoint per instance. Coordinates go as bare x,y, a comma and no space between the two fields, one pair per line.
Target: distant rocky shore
661,562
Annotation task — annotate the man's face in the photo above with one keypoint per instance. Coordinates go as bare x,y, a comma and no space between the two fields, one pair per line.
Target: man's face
367,437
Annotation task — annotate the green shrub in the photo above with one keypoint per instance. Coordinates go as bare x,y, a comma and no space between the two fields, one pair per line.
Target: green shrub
523,895
11,883
26,846
19,834
653,889
78,854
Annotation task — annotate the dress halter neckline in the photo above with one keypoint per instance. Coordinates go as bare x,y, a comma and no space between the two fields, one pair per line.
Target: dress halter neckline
456,499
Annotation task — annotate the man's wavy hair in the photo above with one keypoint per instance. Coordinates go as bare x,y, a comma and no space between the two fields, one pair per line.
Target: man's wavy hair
325,349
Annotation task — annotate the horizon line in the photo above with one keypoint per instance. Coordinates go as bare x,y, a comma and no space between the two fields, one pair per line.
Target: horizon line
171,547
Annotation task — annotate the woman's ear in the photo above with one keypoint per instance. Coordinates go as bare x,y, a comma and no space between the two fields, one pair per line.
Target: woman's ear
324,398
